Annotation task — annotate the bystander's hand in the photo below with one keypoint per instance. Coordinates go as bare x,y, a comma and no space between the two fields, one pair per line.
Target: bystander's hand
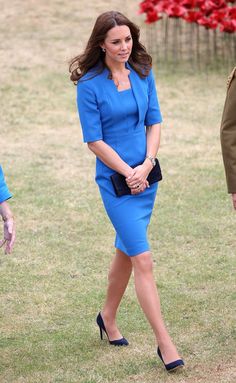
234,200
9,231
9,235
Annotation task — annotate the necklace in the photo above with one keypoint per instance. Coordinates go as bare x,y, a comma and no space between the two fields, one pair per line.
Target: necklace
121,82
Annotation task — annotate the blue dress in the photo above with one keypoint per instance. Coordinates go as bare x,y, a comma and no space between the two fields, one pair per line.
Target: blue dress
4,192
119,118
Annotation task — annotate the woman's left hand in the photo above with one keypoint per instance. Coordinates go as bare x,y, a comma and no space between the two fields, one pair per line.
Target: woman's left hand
140,188
139,176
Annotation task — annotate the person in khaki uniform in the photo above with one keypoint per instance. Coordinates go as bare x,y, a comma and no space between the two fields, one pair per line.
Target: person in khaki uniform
228,136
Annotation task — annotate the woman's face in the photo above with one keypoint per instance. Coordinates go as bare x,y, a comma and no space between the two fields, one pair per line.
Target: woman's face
118,44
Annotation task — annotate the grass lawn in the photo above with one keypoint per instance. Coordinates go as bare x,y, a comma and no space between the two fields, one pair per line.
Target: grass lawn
53,284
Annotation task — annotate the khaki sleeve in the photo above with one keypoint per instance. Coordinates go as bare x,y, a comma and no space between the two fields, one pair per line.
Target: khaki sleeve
228,134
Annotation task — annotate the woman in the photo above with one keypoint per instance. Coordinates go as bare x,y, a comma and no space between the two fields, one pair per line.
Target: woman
117,99
7,216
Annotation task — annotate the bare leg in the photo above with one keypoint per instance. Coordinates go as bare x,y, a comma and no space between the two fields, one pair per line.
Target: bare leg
147,294
118,278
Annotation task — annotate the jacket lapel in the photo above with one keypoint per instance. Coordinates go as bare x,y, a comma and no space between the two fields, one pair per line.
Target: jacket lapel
137,88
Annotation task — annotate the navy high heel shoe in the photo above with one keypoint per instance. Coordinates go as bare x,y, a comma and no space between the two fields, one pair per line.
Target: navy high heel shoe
118,342
173,366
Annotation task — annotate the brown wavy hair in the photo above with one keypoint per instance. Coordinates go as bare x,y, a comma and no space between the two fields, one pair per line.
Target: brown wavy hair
93,55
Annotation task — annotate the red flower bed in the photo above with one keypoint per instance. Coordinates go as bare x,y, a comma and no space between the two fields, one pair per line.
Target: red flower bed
208,13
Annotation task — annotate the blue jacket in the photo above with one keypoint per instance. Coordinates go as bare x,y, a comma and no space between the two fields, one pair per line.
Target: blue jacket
96,104
4,192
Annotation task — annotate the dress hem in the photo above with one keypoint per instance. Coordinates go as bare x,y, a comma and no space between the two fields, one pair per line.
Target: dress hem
136,253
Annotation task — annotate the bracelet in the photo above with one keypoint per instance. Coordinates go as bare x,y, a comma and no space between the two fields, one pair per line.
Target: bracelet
6,218
153,161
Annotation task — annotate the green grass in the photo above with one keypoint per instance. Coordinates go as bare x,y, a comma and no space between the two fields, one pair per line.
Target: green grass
53,284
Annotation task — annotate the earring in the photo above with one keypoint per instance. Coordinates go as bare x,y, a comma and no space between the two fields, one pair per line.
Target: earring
104,50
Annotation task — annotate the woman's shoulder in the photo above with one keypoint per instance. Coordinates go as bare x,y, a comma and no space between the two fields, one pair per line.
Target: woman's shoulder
151,78
92,77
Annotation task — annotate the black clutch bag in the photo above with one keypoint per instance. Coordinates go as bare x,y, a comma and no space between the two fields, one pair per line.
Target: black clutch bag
121,187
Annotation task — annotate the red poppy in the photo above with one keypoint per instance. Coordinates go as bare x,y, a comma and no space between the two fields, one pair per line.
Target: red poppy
199,3
192,16
232,12
189,4
228,26
161,5
220,14
152,16
175,10
209,6
146,6
220,4
207,22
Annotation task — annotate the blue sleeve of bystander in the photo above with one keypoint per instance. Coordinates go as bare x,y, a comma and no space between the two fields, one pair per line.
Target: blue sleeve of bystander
4,192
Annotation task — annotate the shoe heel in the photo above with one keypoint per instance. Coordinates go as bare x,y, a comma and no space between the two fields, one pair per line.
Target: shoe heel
101,333
100,325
